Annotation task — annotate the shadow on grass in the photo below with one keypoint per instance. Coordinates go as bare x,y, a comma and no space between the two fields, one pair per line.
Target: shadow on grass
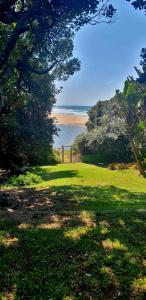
104,262
30,205
101,197
46,176
61,254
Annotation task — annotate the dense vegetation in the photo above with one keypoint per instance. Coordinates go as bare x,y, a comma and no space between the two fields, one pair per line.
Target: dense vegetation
73,231
116,128
36,48
104,137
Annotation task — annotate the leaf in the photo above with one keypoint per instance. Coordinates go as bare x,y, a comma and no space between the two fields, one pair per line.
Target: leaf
141,125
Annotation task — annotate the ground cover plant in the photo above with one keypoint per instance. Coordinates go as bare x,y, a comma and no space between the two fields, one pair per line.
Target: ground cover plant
78,234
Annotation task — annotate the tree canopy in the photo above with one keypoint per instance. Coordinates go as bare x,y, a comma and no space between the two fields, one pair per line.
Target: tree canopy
138,4
36,48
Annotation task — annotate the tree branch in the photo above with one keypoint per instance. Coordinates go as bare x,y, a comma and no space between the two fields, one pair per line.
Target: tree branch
11,44
26,67
21,27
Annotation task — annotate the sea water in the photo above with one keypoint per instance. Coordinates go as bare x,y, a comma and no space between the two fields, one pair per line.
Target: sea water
71,110
68,133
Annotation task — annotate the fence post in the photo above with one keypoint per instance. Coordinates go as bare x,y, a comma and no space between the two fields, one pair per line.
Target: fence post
71,154
62,154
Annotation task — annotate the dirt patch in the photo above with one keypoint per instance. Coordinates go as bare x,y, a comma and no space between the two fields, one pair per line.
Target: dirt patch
44,207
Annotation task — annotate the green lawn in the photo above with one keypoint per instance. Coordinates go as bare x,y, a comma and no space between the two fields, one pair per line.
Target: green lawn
81,235
85,174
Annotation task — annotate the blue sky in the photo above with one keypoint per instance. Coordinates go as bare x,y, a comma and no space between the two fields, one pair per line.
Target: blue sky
108,54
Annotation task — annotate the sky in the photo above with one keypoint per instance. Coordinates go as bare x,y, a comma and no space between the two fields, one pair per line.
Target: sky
108,54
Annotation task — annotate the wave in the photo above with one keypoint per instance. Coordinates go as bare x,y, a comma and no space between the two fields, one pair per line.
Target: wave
72,110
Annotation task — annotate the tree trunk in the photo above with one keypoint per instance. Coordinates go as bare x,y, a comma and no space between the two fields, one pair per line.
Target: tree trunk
138,161
14,168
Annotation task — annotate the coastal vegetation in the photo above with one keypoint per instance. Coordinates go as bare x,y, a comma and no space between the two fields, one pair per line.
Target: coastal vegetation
36,48
116,128
68,231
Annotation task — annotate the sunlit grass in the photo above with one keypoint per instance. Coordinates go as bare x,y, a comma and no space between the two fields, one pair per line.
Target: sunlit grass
88,175
84,174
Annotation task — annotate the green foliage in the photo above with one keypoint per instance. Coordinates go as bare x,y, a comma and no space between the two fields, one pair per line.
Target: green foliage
56,156
44,155
96,113
132,109
105,137
79,145
116,128
94,158
25,179
36,48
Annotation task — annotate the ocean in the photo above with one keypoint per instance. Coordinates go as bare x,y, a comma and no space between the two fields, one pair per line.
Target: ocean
68,133
71,110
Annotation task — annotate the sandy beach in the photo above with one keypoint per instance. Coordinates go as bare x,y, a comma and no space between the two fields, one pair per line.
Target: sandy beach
70,119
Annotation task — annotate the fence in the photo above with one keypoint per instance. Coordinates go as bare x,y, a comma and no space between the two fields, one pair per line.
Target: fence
68,155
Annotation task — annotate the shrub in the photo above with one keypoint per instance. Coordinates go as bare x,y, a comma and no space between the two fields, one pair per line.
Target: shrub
79,145
144,165
25,179
94,158
106,149
111,167
122,166
45,157
132,166
56,156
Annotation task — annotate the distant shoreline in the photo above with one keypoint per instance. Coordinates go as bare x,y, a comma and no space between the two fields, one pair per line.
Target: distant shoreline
63,119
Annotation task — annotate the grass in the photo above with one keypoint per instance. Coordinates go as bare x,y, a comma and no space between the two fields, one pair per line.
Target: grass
88,244
82,174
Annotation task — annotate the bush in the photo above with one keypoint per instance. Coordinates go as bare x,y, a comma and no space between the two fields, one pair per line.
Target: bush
93,158
144,164
79,145
132,166
56,156
45,157
111,167
25,179
122,166
104,151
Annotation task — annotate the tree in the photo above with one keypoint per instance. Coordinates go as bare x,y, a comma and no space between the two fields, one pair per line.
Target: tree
25,122
105,134
96,113
131,104
37,23
36,46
